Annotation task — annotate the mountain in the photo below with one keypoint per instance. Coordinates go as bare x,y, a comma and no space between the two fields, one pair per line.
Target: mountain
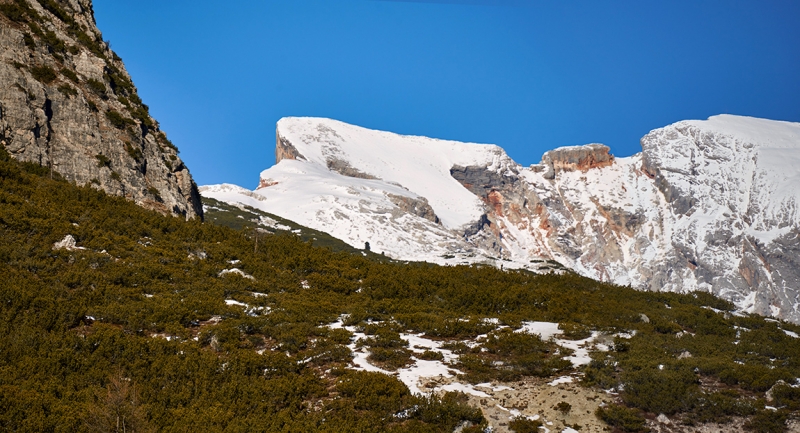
707,205
67,103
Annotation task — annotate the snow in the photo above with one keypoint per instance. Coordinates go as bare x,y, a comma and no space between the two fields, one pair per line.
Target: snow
580,348
546,330
397,159
420,370
234,302
250,310
235,271
560,380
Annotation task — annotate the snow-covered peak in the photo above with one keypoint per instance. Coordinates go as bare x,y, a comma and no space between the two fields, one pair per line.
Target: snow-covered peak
420,164
730,165
762,132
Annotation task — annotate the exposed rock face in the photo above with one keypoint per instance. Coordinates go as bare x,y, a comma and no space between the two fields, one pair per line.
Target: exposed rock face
66,102
576,158
708,205
284,149
414,205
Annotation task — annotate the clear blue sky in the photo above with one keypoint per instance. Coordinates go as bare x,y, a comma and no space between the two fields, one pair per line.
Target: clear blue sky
527,75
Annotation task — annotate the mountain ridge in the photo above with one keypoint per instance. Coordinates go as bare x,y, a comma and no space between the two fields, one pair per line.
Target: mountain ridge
635,220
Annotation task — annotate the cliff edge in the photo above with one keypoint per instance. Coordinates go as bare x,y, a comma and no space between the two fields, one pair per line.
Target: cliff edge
67,103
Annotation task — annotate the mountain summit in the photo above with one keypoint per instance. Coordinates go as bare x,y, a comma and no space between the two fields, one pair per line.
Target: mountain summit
707,205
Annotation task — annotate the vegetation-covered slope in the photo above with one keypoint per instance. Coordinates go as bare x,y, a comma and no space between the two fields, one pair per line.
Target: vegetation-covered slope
130,329
247,218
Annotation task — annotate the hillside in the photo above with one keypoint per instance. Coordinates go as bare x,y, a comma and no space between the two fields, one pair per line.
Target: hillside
241,217
708,205
113,315
67,102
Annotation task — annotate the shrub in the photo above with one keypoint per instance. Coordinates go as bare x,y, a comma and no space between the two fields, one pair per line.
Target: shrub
118,120
28,40
574,331
154,192
70,74
768,421
373,391
13,11
431,355
660,391
53,7
102,160
390,359
44,74
133,151
67,90
563,407
450,410
524,425
628,420
786,396
54,44
96,86
720,406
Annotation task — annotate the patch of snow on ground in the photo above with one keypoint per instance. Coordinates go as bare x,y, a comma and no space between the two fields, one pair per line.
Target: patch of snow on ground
542,329
562,379
412,375
234,302
250,310
548,330
236,271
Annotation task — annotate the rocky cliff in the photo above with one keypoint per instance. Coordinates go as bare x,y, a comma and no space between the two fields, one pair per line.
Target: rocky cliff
708,205
67,103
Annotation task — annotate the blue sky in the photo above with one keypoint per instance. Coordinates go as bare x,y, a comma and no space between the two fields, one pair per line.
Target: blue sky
524,74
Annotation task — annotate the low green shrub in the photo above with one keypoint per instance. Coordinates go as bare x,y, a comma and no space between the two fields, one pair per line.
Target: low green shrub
768,421
67,90
666,390
70,74
628,420
96,86
524,425
118,120
44,74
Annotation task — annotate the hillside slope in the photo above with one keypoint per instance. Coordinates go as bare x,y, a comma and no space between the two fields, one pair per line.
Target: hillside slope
708,205
113,315
67,102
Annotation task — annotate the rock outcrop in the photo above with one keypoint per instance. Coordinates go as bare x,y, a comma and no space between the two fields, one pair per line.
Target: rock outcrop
67,103
576,158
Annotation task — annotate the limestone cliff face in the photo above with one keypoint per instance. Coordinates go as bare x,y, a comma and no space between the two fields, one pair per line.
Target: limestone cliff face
67,102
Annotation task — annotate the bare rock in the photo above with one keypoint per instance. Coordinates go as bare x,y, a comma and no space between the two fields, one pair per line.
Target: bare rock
68,103
576,158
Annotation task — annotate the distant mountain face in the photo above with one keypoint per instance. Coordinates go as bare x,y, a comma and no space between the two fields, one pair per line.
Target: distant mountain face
707,205
67,103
